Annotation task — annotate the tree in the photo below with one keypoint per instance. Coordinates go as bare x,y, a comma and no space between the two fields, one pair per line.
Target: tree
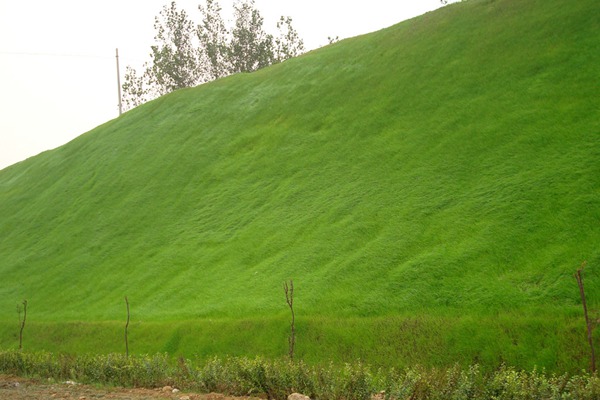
213,34
251,48
288,44
135,91
186,55
175,61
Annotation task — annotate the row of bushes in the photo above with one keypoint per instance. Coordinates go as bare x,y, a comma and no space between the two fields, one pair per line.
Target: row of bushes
278,378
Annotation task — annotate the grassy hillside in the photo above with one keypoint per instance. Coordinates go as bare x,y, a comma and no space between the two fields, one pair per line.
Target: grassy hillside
431,188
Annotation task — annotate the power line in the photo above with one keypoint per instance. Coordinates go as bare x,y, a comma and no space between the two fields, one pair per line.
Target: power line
135,59
34,54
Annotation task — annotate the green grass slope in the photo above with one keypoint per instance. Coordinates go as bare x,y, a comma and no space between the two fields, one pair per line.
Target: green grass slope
430,188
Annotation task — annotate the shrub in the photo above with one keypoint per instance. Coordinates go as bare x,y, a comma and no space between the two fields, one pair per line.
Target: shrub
278,378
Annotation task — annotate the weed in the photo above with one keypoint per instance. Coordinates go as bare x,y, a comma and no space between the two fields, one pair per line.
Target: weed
278,378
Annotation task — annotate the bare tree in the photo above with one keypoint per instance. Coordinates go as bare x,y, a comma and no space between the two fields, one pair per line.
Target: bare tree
289,297
22,322
588,323
126,328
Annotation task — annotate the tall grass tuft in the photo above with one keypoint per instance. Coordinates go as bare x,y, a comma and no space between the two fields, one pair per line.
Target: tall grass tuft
276,379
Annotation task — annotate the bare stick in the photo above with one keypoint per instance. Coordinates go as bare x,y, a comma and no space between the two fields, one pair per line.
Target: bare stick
585,312
126,327
22,324
289,297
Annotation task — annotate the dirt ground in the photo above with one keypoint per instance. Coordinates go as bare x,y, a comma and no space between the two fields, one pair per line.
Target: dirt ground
16,388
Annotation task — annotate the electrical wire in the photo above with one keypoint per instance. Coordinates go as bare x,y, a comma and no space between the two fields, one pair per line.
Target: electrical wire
35,54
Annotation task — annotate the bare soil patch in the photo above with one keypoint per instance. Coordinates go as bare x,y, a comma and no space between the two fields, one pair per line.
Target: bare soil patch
17,388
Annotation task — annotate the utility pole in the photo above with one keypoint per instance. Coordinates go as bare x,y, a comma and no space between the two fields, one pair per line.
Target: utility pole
119,84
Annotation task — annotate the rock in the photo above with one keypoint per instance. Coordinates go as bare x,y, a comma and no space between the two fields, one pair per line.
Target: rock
175,391
298,396
378,396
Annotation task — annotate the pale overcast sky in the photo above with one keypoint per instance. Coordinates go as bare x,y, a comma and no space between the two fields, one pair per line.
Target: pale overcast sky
58,67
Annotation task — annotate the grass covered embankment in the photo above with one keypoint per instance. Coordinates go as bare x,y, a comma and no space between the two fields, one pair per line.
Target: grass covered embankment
526,341
431,186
